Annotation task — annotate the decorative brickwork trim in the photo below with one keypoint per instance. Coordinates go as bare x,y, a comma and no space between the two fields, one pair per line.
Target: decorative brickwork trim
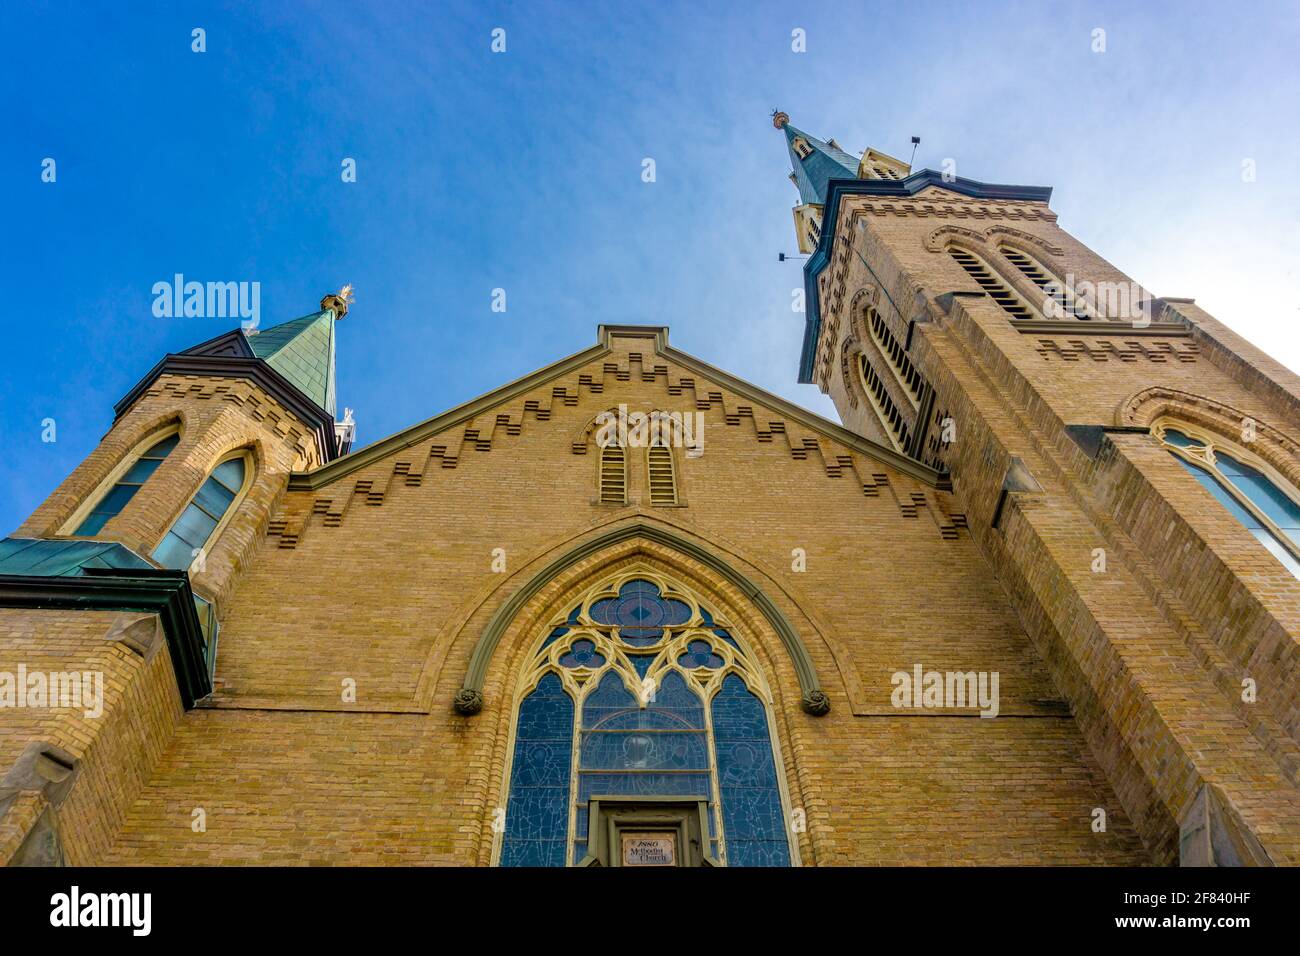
836,446
1127,350
467,413
203,368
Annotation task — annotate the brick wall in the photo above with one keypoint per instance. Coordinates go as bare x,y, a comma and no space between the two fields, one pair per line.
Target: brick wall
383,577
1151,653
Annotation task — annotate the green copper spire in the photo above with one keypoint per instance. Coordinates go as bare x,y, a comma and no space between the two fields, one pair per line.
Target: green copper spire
814,161
302,350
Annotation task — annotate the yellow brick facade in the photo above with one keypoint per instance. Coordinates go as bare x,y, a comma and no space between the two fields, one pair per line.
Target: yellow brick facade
352,595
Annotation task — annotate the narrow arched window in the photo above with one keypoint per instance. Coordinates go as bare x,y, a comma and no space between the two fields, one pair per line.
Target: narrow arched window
192,531
613,475
886,408
1242,483
125,487
643,701
1061,302
663,477
992,284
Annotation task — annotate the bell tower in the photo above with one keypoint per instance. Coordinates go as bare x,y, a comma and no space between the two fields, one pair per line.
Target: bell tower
1128,465
123,573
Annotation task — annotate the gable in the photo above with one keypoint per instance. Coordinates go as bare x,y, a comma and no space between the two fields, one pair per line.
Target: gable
771,415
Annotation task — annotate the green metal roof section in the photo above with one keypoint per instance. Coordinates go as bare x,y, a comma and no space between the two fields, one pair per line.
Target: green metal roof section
37,557
827,162
302,350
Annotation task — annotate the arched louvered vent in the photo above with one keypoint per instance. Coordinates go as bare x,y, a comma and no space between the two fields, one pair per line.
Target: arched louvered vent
1066,305
613,475
887,411
663,479
895,354
988,280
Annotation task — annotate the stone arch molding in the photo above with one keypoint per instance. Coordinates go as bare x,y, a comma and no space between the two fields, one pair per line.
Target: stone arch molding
939,238
1022,238
867,294
1143,408
469,699
848,353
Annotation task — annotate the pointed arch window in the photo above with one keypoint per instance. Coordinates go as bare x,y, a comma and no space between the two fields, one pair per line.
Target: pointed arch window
642,692
124,489
1061,302
992,284
662,474
613,475
205,513
1244,484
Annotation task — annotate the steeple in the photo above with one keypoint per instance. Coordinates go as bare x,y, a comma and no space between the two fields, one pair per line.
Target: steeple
302,350
292,362
815,163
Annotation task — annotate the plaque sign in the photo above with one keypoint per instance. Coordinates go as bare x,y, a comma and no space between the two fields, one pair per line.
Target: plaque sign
649,849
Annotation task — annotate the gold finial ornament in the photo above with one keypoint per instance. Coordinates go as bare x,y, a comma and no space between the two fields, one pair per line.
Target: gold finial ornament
339,301
779,119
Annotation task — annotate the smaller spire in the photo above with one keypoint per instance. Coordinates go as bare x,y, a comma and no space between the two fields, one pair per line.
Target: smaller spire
338,302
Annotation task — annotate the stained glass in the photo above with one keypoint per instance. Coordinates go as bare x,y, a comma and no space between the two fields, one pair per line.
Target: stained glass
1262,493
555,635
582,654
1182,441
752,818
657,747
201,516
640,612
642,662
699,654
537,813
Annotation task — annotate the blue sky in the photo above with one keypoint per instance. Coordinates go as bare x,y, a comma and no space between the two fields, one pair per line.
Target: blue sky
522,170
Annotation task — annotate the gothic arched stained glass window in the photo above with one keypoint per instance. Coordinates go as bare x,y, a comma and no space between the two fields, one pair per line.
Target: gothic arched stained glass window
642,693
1239,481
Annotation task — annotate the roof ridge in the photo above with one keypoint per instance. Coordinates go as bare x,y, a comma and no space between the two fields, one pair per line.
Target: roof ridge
466,412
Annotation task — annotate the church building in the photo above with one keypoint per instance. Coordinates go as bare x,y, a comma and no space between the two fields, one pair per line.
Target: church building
1034,599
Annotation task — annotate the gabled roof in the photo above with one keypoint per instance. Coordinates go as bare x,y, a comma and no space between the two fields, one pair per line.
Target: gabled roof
826,162
302,350
292,362
467,412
